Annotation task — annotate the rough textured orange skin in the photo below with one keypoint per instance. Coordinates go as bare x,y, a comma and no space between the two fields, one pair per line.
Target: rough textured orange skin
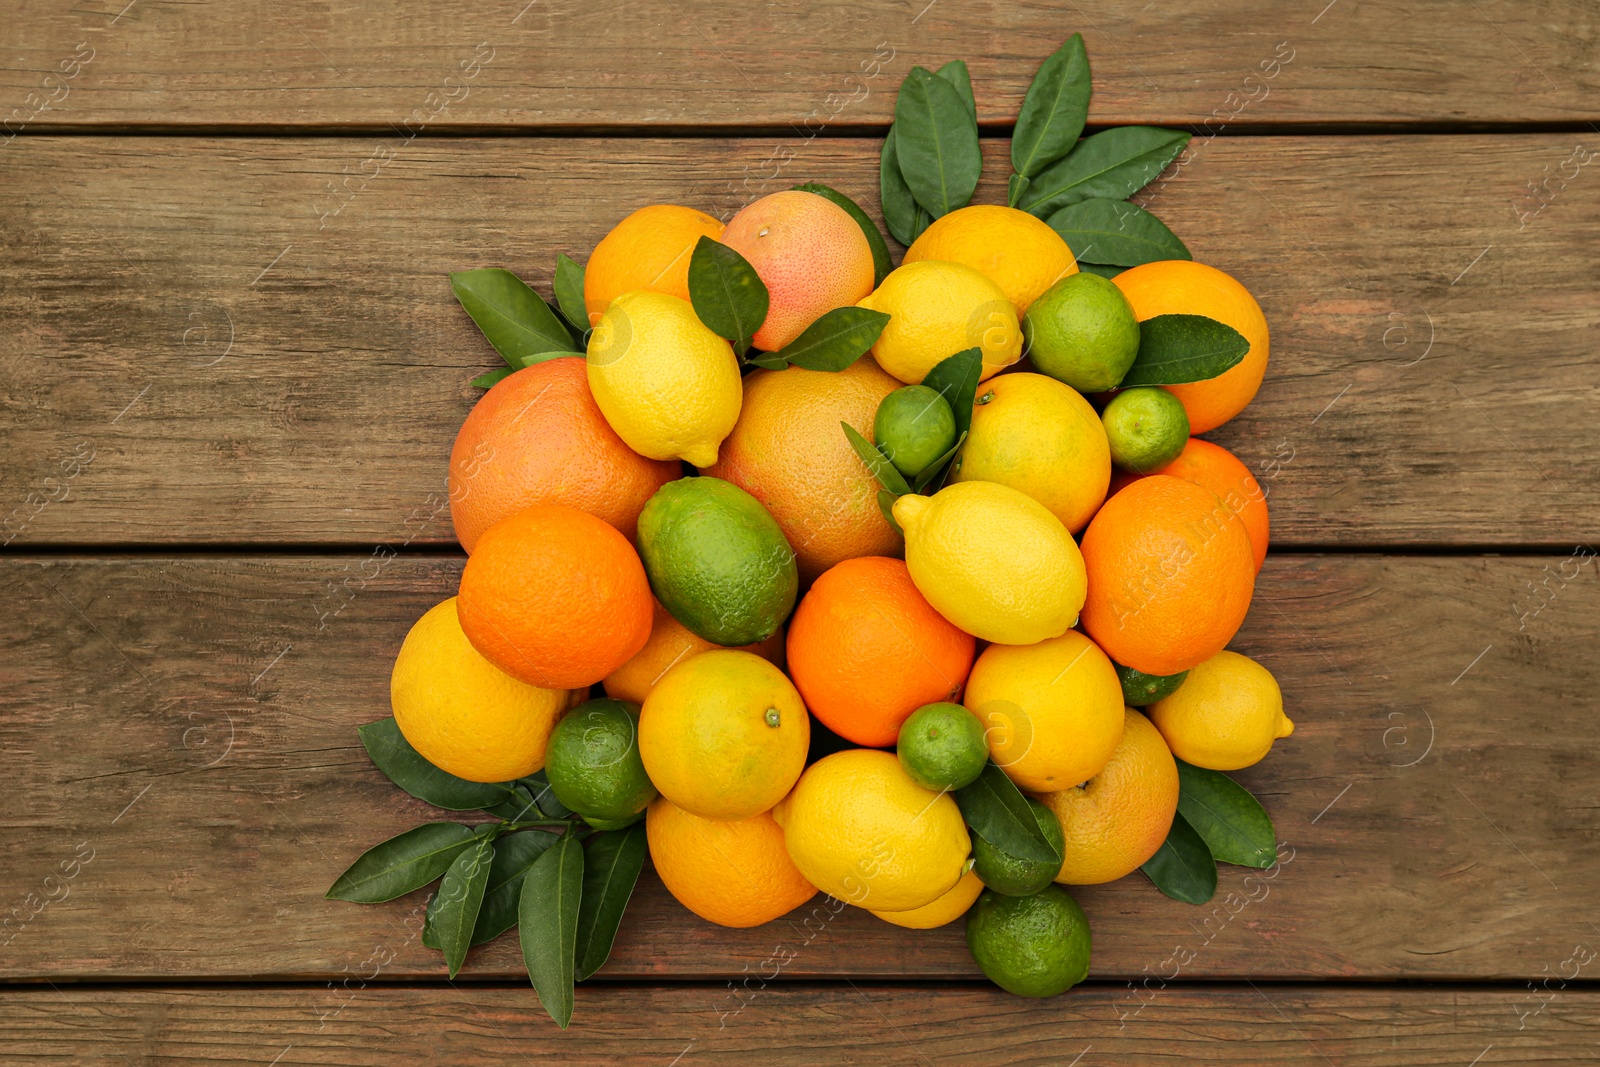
733,872
538,437
649,249
1117,820
788,452
1226,475
1180,287
670,643
809,252
866,650
555,597
1171,572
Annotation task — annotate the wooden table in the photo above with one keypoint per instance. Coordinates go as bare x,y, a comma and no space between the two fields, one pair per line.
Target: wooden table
232,369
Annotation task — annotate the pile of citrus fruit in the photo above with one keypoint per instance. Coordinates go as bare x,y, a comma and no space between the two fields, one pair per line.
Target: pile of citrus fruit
906,584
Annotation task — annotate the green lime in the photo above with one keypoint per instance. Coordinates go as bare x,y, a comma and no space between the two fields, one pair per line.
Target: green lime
914,426
1034,946
1011,875
613,824
1139,688
1082,331
1146,427
717,560
942,746
593,763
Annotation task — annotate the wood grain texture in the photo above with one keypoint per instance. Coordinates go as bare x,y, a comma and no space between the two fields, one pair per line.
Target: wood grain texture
564,63
256,342
187,725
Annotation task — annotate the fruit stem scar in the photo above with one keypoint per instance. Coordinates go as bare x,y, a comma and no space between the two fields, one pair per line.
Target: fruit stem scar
772,716
986,397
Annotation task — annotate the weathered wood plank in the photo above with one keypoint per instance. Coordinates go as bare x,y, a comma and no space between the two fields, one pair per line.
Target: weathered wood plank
566,63
803,1023
250,352
188,725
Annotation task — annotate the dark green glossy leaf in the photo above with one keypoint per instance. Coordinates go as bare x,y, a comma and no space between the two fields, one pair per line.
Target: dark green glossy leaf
404,765
1105,270
905,218
547,920
1016,189
936,141
768,362
956,378
609,872
569,293
1114,164
544,796
454,911
517,807
405,862
1182,867
876,462
727,293
956,73
485,381
513,317
926,476
881,263
836,340
1232,823
1117,232
997,811
513,855
1054,111
1174,349
886,501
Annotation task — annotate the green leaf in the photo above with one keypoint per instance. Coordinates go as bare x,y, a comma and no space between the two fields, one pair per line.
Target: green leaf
1117,232
1174,349
727,293
905,217
513,855
569,292
835,340
459,898
881,263
512,316
485,381
926,476
886,501
544,796
1233,824
1182,867
936,141
1054,111
1016,189
956,73
1114,164
1105,270
516,807
547,917
609,872
956,378
405,862
876,462
407,769
996,811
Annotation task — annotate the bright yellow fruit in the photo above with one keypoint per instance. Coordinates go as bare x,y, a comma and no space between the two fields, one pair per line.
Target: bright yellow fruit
667,384
860,829
1225,715
1011,248
1052,712
461,712
1041,438
724,734
947,909
937,309
993,561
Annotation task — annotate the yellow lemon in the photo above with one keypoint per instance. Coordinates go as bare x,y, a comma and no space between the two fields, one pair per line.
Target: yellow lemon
947,909
1052,712
860,829
993,561
1011,248
461,712
667,385
937,309
1041,438
1225,715
723,735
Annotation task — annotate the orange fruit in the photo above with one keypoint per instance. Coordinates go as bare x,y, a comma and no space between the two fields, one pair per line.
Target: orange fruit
866,650
670,643
1116,821
788,452
1224,474
1170,571
1016,251
555,597
809,252
649,249
733,872
538,437
1181,287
